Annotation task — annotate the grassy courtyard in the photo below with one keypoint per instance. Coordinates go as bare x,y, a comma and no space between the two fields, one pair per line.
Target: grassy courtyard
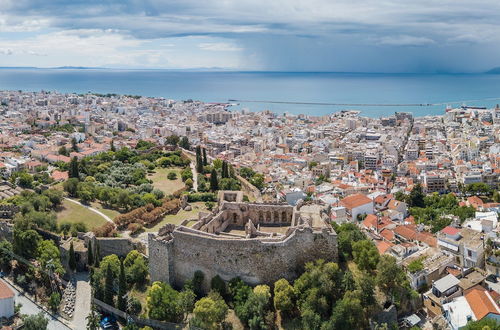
180,216
160,180
74,213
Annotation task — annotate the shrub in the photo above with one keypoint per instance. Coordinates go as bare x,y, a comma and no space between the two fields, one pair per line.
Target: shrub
172,176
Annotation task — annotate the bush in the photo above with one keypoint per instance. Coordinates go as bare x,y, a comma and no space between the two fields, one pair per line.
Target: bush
202,197
172,176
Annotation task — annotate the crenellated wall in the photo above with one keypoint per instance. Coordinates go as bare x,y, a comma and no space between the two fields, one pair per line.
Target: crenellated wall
175,257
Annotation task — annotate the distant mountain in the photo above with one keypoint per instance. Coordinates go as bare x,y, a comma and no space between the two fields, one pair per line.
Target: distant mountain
494,71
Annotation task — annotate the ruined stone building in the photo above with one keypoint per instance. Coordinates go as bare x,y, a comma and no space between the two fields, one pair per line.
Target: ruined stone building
260,243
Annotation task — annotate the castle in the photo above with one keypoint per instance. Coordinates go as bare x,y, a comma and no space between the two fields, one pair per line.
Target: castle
260,243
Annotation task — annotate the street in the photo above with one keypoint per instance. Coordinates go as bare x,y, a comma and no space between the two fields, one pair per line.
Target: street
29,307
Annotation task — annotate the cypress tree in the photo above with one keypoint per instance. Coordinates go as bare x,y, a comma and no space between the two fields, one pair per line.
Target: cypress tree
214,183
74,146
97,257
205,161
108,286
73,168
225,170
122,289
72,258
90,256
199,160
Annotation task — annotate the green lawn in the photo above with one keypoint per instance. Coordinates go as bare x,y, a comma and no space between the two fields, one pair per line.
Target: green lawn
109,212
180,216
73,213
161,182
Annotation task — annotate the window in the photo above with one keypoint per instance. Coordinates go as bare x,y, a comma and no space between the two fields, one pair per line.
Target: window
469,253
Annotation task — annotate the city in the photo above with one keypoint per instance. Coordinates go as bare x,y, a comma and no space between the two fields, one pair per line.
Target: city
152,213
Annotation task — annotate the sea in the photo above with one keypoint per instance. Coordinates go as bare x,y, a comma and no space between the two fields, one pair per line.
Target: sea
375,95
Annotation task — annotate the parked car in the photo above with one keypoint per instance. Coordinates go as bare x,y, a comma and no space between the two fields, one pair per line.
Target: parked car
108,322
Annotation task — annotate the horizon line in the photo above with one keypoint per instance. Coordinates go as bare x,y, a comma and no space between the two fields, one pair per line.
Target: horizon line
495,70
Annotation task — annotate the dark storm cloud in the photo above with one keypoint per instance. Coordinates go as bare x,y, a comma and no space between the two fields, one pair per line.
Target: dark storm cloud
363,35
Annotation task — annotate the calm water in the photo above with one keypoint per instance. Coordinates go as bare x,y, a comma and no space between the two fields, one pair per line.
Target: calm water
299,87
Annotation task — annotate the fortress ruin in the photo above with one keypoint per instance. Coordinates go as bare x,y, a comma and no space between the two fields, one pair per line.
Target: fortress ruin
260,243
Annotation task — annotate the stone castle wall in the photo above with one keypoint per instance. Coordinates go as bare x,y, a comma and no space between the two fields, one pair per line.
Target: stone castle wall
114,245
254,260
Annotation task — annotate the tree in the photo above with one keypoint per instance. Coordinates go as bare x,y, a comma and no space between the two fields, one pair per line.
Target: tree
284,296
217,284
225,170
112,146
172,176
122,289
163,303
366,287
72,258
114,262
26,242
214,183
108,286
348,282
205,160
184,143
74,145
54,301
93,319
416,198
187,299
90,256
348,234
209,312
254,311
97,257
134,306
197,282
25,180
35,322
71,186
6,249
319,287
347,314
172,140
484,324
365,255
63,151
136,268
392,280
49,256
73,168
199,160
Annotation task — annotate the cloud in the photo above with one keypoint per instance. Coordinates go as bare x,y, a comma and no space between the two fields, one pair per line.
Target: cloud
340,35
220,47
405,40
6,51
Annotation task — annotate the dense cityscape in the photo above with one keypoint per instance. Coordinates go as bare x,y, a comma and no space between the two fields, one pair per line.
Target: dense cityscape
150,213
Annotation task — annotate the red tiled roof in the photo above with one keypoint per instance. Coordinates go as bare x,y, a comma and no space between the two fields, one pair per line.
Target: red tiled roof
481,303
355,200
405,232
383,246
452,231
5,291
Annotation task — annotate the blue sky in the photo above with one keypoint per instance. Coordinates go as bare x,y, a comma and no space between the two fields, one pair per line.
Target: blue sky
288,35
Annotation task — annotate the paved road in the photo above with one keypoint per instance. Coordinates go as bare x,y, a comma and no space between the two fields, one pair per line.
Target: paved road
108,219
195,175
31,308
82,304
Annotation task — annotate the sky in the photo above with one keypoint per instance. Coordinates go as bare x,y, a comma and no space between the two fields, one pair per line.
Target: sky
423,36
